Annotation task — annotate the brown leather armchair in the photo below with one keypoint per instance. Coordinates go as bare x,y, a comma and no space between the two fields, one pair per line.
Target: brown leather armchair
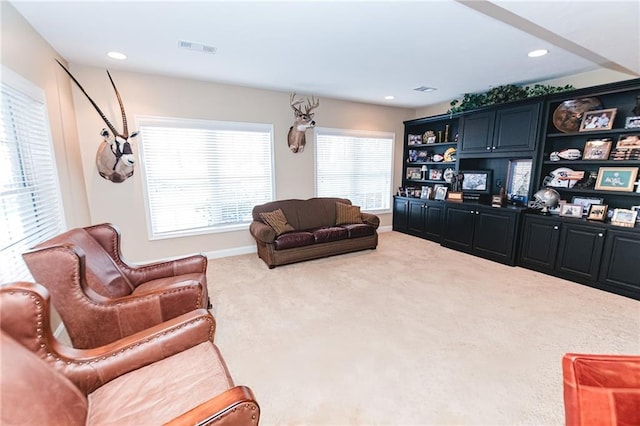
100,297
171,373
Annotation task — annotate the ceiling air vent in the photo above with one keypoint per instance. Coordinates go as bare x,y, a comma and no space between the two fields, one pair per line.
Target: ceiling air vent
425,89
198,47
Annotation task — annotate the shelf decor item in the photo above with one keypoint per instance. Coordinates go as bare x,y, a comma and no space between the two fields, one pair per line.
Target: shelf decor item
598,120
586,202
568,115
518,181
414,173
424,171
441,192
597,149
477,181
435,174
414,139
616,178
571,210
425,192
563,177
450,155
597,212
632,123
429,137
624,217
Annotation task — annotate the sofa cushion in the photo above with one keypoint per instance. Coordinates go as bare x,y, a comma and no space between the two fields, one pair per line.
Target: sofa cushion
278,221
334,233
294,239
346,214
359,230
308,214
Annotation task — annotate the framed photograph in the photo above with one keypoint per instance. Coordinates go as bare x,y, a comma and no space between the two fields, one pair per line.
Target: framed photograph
518,181
429,137
413,155
624,217
597,212
628,141
571,210
441,192
597,149
632,122
414,139
477,181
586,202
636,209
598,120
414,173
616,178
423,156
435,174
426,192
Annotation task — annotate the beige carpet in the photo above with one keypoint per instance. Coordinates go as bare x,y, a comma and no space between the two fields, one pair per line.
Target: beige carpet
411,333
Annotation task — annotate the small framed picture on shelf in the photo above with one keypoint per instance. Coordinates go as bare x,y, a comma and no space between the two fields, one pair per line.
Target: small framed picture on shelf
477,181
632,122
598,120
414,139
628,141
624,217
597,149
429,137
435,174
426,192
440,192
571,210
597,212
586,202
423,156
413,155
636,209
616,179
414,173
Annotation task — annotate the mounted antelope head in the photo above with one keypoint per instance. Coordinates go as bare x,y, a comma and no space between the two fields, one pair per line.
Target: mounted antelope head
303,121
114,158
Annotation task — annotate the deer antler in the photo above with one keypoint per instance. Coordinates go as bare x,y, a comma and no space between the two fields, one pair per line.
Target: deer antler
294,103
311,104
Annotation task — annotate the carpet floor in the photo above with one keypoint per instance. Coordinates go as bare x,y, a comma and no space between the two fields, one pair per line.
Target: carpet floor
409,334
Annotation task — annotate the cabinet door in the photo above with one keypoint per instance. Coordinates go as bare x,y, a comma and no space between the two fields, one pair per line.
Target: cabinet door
580,251
477,132
516,128
494,235
433,222
400,214
621,261
415,221
539,245
458,227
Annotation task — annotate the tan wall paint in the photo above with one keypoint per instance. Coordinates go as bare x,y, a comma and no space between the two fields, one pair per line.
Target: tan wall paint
145,94
29,55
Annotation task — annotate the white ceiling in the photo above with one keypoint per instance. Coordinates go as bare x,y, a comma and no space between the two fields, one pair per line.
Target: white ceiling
356,50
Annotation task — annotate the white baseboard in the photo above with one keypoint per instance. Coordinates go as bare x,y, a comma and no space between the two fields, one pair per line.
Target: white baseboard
385,228
230,252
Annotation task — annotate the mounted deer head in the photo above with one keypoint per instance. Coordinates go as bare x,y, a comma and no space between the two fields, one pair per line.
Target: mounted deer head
114,158
303,121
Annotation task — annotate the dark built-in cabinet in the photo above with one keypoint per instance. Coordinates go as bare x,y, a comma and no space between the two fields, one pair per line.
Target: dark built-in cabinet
595,253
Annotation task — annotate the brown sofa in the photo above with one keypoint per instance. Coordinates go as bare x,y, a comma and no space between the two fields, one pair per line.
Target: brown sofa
315,231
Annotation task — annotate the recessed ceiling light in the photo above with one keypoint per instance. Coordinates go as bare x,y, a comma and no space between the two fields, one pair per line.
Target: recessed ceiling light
117,55
389,97
539,52
425,89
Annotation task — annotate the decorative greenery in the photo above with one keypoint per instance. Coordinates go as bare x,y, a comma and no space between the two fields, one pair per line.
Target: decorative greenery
502,94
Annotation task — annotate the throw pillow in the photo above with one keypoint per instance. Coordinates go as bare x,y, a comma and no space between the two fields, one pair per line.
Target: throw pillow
278,221
346,214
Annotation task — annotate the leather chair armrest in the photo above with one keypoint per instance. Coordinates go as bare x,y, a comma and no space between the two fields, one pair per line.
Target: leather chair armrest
91,368
168,268
235,406
262,232
371,219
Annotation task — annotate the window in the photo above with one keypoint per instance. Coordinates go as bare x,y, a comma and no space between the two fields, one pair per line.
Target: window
356,165
30,205
204,176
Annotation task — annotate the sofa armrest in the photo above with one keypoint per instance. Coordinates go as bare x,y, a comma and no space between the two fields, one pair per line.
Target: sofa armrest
262,232
370,219
91,368
235,406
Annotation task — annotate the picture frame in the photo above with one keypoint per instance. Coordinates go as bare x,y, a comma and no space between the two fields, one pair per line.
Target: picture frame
624,217
636,209
597,149
440,192
628,141
477,181
426,192
571,210
632,122
413,155
435,174
597,212
414,173
414,139
601,119
586,203
616,179
518,181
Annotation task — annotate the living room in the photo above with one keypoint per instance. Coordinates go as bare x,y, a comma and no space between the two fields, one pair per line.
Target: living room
87,198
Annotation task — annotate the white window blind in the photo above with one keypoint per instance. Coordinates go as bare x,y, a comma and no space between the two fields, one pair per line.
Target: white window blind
204,176
356,165
30,206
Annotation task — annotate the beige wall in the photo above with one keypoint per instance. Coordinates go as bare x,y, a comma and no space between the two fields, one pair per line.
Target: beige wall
29,55
144,94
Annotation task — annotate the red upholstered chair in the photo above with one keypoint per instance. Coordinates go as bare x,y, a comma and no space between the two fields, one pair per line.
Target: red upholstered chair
169,374
100,297
601,389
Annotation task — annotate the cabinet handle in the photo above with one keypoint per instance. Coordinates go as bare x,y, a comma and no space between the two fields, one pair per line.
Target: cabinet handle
477,212
488,148
555,227
471,211
600,234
